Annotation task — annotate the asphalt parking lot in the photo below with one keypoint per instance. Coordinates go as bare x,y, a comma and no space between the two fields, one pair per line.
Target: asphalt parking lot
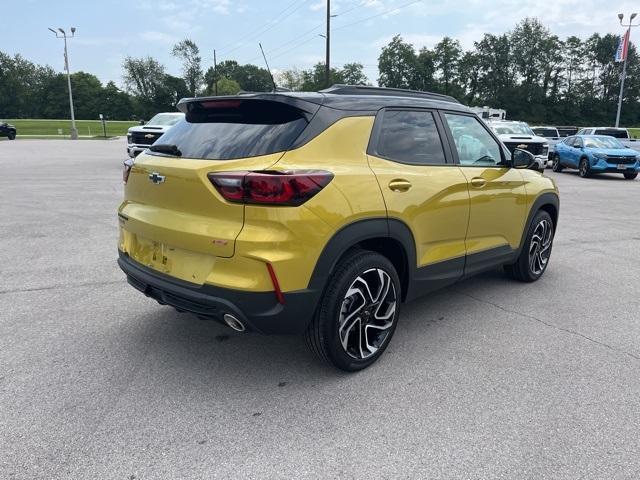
487,379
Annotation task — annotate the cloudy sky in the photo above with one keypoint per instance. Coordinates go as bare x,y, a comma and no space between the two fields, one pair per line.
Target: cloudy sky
109,30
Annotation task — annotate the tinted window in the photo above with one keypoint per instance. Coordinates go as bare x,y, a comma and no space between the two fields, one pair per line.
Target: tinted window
612,133
602,142
474,144
224,130
165,119
545,132
410,137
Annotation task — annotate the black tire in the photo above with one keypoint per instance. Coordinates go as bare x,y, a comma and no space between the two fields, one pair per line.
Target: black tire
630,175
340,345
524,269
12,135
584,169
556,166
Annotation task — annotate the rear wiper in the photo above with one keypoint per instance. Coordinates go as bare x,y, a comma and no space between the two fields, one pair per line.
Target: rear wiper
168,148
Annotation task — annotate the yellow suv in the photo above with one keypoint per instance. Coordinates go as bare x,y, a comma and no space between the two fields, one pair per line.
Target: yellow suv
320,213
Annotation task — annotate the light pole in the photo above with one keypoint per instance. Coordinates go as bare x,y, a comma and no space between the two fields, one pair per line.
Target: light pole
74,130
624,66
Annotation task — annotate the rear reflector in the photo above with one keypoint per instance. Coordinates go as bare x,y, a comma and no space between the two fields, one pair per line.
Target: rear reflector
287,188
276,284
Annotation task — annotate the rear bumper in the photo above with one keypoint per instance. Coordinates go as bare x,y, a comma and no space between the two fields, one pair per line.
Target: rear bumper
259,311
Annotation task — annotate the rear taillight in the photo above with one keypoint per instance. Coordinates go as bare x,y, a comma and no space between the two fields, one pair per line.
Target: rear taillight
291,188
126,170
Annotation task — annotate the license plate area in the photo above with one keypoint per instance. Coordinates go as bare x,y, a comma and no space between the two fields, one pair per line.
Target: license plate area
622,166
183,264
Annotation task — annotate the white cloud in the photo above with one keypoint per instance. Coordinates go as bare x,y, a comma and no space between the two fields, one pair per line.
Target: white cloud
222,7
158,37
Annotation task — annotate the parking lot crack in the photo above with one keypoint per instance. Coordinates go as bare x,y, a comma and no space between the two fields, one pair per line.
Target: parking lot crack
54,287
554,326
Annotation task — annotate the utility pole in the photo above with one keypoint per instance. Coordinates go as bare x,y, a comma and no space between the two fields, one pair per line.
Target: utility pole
327,68
74,130
624,66
215,73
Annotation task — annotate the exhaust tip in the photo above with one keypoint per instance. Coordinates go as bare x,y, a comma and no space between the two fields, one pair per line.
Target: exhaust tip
233,322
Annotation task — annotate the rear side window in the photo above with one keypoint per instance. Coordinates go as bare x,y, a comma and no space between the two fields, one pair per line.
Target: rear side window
612,133
545,132
410,137
230,129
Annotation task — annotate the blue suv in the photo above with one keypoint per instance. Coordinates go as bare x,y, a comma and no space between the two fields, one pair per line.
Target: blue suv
596,154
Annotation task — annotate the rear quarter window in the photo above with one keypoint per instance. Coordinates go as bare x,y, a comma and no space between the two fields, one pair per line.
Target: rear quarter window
409,137
231,129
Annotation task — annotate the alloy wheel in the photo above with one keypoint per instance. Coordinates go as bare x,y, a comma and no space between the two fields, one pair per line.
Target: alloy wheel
540,246
367,313
584,168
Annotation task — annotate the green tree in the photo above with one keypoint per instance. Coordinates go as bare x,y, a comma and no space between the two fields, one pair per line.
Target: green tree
314,79
397,64
226,86
447,54
291,79
353,74
114,103
251,78
189,53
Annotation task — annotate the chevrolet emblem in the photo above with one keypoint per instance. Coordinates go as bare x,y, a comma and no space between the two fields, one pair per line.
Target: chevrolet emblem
155,177
522,145
149,135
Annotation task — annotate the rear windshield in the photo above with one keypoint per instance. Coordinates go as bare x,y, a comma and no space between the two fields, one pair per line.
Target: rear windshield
230,129
165,119
511,128
611,133
545,132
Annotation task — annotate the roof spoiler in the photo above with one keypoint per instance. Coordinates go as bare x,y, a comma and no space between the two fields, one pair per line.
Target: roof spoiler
340,89
194,107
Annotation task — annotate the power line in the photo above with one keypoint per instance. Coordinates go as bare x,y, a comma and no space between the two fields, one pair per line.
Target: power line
377,15
304,34
314,37
265,28
289,42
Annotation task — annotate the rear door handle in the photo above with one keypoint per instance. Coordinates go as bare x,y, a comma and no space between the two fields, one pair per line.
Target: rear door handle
399,185
478,182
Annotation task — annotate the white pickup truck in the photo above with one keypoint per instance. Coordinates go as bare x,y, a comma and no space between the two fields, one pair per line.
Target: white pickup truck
139,138
519,135
621,134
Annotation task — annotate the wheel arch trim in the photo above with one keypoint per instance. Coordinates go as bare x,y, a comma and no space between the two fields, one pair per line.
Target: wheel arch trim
543,200
359,231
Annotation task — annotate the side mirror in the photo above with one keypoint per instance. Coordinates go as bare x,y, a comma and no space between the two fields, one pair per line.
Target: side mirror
522,159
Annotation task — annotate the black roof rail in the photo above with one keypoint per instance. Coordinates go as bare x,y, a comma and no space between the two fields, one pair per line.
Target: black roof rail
340,89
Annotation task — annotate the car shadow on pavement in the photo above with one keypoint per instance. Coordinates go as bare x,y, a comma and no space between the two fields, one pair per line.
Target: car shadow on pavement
601,176
209,350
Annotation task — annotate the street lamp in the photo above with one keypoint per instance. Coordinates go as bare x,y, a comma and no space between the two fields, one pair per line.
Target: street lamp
74,130
624,67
